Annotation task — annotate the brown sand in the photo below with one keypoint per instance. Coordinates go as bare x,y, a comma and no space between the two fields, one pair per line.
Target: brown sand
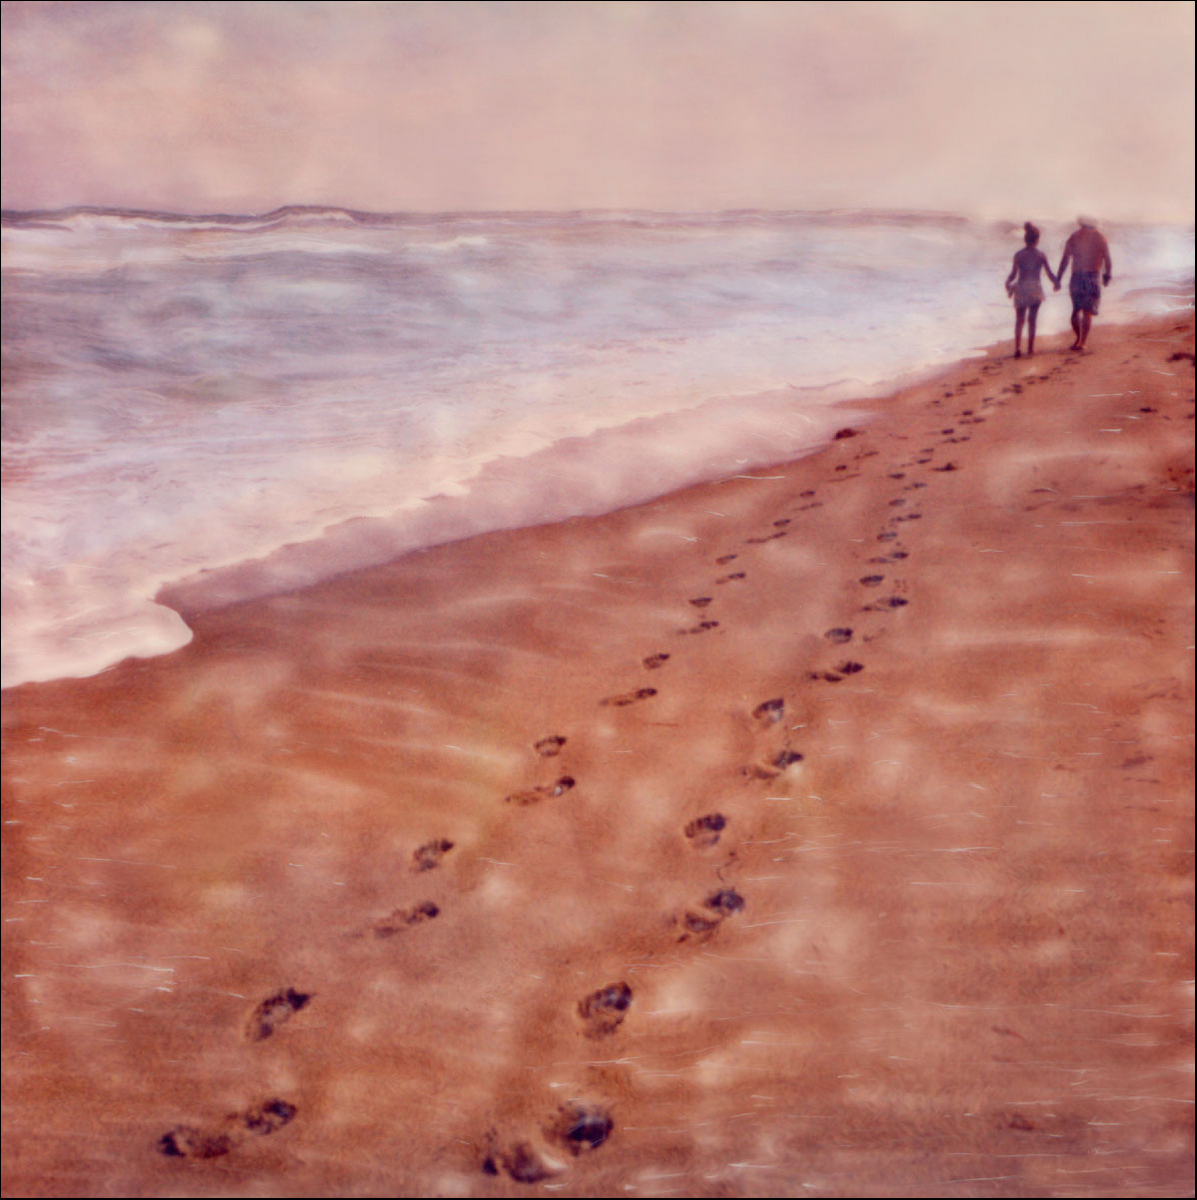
312,907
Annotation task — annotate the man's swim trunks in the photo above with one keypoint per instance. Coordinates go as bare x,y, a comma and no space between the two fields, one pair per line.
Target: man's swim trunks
1085,289
1028,293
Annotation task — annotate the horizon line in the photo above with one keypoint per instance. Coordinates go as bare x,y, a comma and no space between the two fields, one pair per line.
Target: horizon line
16,217
283,210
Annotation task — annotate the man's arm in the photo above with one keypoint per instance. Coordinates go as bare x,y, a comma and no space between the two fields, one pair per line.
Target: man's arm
1064,262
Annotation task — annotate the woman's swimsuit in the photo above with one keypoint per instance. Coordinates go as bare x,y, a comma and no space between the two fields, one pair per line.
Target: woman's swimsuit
1028,293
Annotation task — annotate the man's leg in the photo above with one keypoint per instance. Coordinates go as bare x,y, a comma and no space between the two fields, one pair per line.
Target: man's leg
1076,329
1083,336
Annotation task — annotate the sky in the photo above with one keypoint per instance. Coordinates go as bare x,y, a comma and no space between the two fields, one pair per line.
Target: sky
988,109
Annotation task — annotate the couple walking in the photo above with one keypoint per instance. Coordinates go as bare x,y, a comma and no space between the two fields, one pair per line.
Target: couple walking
1089,254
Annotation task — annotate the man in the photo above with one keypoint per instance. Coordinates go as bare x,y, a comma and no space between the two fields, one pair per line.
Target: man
1090,256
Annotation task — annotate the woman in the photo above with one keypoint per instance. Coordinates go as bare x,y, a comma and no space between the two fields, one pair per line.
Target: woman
1023,286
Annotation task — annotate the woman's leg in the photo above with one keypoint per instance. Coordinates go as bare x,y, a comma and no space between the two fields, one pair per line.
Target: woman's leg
1020,315
1032,317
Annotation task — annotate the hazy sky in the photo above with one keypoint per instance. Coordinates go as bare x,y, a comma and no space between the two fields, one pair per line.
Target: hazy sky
992,108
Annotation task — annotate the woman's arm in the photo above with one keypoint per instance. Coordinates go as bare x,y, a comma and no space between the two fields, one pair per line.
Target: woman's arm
1048,268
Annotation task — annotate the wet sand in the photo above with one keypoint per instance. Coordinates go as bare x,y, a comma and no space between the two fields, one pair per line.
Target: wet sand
825,830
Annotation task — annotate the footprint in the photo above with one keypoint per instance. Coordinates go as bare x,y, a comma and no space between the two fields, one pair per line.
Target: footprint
887,536
404,918
898,475
268,1117
701,627
602,1012
549,747
720,905
581,1129
782,522
946,467
726,558
770,712
704,831
626,698
702,601
653,661
729,578
274,1011
779,762
850,668
891,602
428,857
537,794
839,635
871,580
897,503
185,1141
725,901
522,1163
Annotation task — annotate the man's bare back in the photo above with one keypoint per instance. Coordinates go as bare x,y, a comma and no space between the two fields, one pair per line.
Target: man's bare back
1089,251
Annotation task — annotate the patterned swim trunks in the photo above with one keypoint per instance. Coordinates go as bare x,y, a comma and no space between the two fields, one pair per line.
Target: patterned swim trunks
1085,289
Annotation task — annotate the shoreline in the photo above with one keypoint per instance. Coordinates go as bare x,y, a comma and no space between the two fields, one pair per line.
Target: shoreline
370,540
867,775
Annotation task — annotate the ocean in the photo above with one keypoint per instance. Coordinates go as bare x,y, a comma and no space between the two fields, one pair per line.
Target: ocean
229,407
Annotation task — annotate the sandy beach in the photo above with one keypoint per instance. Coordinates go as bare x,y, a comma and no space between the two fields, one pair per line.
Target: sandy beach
823,830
